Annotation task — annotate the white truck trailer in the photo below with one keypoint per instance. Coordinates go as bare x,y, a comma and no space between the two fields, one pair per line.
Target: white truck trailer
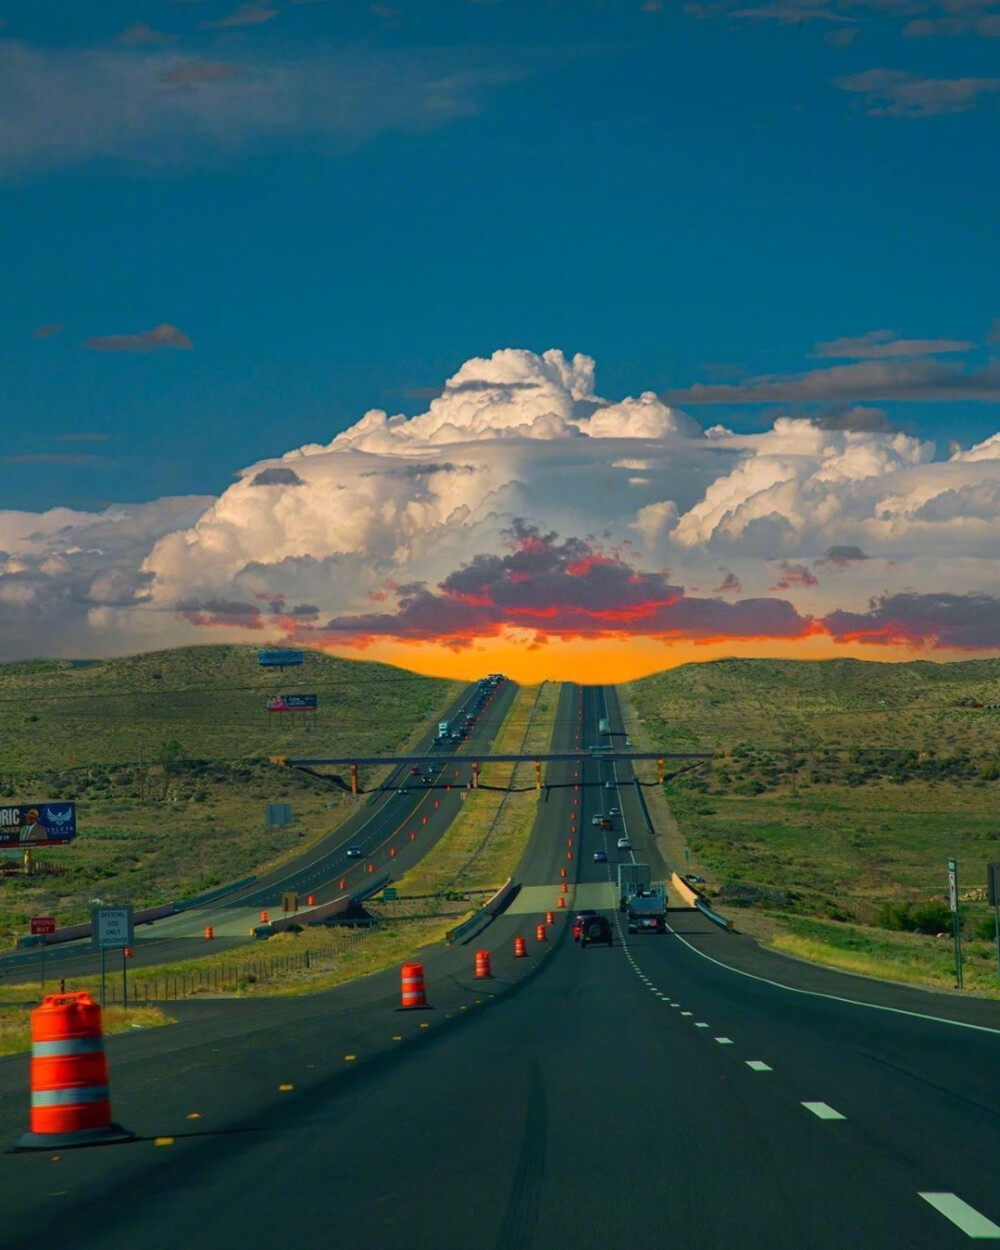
647,912
632,879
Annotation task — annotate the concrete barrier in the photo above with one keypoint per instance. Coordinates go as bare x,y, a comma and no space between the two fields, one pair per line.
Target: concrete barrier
492,908
72,932
684,890
714,916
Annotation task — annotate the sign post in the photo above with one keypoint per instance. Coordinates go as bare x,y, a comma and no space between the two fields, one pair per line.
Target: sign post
112,929
40,925
956,922
993,893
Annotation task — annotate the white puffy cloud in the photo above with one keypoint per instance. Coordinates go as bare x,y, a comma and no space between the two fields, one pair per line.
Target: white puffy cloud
518,450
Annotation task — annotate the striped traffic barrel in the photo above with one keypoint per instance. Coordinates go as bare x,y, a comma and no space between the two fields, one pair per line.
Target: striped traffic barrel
414,993
70,1102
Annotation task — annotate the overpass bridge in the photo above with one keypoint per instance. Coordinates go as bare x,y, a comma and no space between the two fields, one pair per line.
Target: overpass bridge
538,758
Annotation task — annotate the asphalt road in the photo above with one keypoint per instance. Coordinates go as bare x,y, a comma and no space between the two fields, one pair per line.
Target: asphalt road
392,830
642,1095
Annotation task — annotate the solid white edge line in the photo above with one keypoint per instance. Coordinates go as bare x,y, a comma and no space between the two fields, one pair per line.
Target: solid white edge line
836,998
967,1218
823,1111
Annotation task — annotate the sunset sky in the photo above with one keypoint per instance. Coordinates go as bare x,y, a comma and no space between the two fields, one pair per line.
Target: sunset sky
568,338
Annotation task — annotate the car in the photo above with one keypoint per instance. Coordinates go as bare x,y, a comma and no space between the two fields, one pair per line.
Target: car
596,931
414,772
628,742
694,878
604,823
609,785
403,790
580,920
614,811
600,857
354,852
624,843
596,820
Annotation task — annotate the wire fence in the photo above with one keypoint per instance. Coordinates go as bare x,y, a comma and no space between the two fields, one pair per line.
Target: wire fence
224,977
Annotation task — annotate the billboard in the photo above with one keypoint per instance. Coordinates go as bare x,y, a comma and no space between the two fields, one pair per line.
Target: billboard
279,659
37,824
292,703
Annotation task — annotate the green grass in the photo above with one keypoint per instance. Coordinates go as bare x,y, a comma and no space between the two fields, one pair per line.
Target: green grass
194,817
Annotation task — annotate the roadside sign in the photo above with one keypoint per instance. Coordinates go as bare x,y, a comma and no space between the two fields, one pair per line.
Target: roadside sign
993,884
389,893
953,884
43,924
112,927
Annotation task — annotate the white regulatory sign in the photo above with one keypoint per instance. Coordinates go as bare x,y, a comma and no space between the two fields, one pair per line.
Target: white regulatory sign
113,926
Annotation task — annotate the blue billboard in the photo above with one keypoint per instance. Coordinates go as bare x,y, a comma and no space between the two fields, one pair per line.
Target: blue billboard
37,824
279,659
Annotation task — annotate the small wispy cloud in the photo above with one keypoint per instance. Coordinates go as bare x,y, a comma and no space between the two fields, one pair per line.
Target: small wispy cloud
879,344
789,13
245,15
985,25
190,73
162,336
48,330
140,35
83,438
54,457
897,93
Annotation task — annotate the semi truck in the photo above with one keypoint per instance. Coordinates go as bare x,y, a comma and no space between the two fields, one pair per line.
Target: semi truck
632,879
647,911
443,729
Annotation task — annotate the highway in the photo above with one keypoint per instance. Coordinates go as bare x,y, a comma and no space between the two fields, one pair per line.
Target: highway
393,830
642,1095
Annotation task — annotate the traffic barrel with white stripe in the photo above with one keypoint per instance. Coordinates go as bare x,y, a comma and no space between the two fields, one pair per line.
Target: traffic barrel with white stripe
70,1102
414,993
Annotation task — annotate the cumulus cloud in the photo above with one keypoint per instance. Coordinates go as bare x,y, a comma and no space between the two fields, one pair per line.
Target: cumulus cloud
161,336
523,500
959,622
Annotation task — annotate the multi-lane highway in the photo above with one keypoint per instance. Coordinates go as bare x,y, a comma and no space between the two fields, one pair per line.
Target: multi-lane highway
391,830
641,1095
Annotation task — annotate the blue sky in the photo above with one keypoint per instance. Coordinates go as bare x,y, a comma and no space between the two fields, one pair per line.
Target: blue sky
528,334
681,191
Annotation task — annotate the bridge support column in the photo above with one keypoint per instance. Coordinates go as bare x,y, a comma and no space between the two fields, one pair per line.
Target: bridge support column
354,779
475,774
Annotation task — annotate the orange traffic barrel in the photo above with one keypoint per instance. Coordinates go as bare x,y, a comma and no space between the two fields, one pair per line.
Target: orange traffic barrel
540,934
569,854
392,852
549,918
562,901
311,900
565,887
414,993
520,947
343,883
569,841
209,933
70,1104
371,867
263,917
483,964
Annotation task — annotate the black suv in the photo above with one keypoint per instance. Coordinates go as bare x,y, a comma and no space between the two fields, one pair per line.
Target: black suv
596,929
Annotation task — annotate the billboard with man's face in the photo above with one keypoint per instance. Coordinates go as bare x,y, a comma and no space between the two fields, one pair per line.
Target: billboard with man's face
37,824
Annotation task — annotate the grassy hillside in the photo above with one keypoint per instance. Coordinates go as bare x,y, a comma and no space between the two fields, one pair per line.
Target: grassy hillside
193,816
838,790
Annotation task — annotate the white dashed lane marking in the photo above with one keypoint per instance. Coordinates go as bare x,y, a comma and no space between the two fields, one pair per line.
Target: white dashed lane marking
724,1041
687,1013
758,1065
963,1216
701,1025
823,1110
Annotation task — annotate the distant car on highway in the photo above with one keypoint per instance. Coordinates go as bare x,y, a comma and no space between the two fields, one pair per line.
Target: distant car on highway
596,931
600,857
414,772
628,742
694,878
624,843
596,820
354,852
580,920
614,811
609,785
403,790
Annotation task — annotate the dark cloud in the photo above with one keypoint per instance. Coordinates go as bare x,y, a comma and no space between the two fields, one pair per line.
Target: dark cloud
957,622
215,612
794,575
48,330
857,418
924,380
730,584
897,93
277,475
842,556
975,501
190,73
147,341
420,469
880,344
